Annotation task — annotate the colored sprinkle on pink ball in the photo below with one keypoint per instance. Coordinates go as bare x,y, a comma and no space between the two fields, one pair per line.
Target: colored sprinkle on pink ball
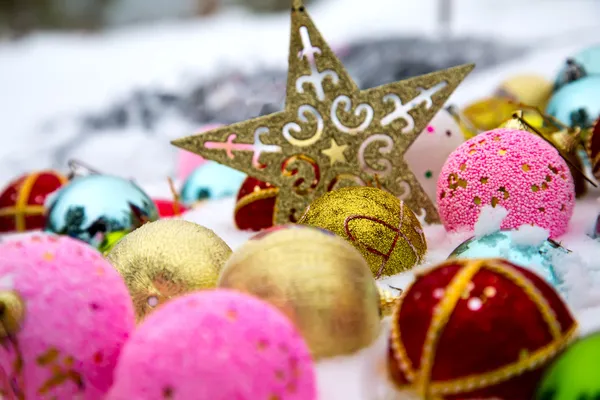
510,168
77,314
215,345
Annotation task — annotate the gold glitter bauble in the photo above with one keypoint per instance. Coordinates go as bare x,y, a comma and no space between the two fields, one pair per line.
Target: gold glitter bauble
379,225
317,279
168,258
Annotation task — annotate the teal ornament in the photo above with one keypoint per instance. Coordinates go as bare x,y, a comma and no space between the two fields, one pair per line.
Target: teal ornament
211,180
584,63
501,244
90,208
575,375
577,103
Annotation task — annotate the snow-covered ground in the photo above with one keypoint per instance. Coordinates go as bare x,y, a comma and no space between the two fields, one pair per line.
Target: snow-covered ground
49,78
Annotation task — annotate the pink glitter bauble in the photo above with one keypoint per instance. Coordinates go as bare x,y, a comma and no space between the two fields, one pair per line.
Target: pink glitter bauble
187,162
510,168
77,316
215,345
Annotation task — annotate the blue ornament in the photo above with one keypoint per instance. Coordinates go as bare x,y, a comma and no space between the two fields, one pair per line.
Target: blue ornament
211,181
596,233
578,103
501,244
91,207
584,63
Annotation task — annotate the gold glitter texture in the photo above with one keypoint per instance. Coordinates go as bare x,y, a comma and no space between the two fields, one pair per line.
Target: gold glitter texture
168,258
318,280
330,133
379,225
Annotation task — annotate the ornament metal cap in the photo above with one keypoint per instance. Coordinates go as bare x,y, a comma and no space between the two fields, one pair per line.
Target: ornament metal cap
12,313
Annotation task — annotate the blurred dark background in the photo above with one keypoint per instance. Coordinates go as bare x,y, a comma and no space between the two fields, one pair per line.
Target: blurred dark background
20,17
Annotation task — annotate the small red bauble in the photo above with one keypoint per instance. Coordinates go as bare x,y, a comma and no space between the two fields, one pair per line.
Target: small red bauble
22,201
477,329
169,208
255,206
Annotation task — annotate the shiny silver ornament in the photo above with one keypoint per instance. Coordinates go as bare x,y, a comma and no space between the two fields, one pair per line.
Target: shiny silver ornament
91,208
584,63
501,244
211,181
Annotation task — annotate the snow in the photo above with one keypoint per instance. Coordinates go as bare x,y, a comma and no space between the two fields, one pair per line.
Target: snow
489,221
51,77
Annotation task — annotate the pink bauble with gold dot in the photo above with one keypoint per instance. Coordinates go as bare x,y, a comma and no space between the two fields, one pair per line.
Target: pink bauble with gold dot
187,162
74,314
514,169
215,345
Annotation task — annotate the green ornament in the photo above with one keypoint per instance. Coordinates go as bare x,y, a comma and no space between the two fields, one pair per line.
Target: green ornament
575,375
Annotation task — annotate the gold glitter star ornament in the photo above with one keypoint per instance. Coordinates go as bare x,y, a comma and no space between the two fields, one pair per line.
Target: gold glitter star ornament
331,134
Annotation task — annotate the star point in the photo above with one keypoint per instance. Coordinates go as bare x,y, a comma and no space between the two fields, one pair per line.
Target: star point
323,103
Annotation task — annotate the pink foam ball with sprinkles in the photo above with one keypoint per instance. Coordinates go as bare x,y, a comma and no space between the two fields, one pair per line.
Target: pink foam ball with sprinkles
510,168
75,316
215,345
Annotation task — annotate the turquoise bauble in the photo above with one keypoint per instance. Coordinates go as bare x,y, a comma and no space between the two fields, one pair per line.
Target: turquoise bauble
211,181
501,244
577,103
575,374
586,62
90,208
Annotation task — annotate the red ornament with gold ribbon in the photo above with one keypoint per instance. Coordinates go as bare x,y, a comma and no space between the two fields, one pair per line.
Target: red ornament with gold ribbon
255,206
477,329
592,147
22,201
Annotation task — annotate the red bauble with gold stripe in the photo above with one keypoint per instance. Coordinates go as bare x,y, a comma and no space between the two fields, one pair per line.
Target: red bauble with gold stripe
477,329
22,201
255,206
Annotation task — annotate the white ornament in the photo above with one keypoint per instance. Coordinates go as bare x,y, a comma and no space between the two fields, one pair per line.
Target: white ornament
427,155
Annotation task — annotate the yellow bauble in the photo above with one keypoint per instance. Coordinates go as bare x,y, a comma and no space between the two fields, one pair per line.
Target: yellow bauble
379,225
533,90
487,114
317,279
168,258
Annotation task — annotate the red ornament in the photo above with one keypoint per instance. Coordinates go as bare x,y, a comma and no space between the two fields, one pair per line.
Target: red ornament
255,205
22,201
169,208
593,148
477,329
